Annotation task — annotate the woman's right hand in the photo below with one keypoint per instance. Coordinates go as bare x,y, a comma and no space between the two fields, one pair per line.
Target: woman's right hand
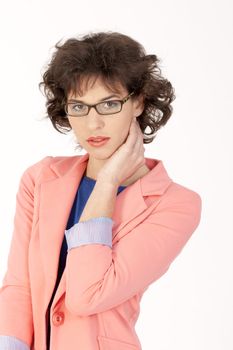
127,159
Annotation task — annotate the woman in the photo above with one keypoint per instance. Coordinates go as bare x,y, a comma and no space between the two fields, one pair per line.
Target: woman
92,232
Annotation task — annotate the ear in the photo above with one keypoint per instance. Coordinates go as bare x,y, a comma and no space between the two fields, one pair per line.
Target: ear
138,105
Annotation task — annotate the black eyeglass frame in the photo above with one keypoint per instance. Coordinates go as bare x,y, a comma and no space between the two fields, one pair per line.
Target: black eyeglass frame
94,105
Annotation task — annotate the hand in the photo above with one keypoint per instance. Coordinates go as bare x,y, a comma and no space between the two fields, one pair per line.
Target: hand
127,159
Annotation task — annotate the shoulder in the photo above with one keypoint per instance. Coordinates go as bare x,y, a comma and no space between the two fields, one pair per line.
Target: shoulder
34,171
178,192
160,187
182,202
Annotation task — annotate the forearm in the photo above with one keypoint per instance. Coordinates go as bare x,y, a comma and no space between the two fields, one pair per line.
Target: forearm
90,249
101,202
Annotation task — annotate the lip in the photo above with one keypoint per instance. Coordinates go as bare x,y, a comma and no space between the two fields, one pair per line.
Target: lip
97,138
98,143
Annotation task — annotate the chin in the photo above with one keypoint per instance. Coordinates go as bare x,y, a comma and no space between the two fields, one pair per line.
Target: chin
102,153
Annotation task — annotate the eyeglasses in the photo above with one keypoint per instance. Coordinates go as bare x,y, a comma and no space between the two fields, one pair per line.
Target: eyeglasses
75,109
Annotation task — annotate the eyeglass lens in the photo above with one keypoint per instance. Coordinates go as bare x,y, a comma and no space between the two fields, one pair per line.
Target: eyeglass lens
107,107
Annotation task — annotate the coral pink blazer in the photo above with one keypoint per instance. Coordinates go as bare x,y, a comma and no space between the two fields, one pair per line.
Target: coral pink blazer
97,301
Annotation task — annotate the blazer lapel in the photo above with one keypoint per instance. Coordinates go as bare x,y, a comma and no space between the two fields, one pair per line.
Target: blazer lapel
58,190
59,185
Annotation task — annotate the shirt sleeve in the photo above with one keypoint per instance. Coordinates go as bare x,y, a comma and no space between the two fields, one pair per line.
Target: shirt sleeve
95,230
12,343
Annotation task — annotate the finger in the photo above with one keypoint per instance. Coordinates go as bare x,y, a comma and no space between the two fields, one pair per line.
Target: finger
132,135
139,145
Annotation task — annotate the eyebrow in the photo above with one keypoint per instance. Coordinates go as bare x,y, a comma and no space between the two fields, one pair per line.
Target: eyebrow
102,99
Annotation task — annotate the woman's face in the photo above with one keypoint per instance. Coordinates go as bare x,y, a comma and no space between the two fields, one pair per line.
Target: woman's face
115,126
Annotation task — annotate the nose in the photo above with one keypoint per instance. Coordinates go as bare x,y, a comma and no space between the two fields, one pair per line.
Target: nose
93,110
94,118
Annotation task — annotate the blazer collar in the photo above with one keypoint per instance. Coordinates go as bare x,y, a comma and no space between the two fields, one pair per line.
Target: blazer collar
154,182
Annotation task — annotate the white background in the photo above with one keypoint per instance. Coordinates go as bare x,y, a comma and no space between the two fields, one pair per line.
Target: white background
191,306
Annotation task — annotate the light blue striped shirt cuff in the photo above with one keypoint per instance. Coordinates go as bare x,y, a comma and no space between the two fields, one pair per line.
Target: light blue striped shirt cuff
92,231
8,342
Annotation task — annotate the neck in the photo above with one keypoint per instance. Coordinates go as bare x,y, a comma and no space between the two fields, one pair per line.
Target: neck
143,170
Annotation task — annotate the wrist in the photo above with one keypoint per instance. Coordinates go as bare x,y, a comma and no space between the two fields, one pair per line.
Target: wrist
107,182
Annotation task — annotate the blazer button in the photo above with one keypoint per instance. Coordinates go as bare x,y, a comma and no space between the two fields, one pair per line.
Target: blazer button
58,318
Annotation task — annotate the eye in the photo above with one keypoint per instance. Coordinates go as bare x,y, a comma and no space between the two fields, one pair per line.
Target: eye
109,104
80,107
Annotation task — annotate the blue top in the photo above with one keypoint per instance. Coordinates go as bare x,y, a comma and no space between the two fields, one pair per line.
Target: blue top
84,190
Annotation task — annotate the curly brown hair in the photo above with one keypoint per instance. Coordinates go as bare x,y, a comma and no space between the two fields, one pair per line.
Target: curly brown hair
116,58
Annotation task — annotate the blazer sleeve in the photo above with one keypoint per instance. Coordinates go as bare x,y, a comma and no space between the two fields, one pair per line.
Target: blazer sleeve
16,322
100,277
